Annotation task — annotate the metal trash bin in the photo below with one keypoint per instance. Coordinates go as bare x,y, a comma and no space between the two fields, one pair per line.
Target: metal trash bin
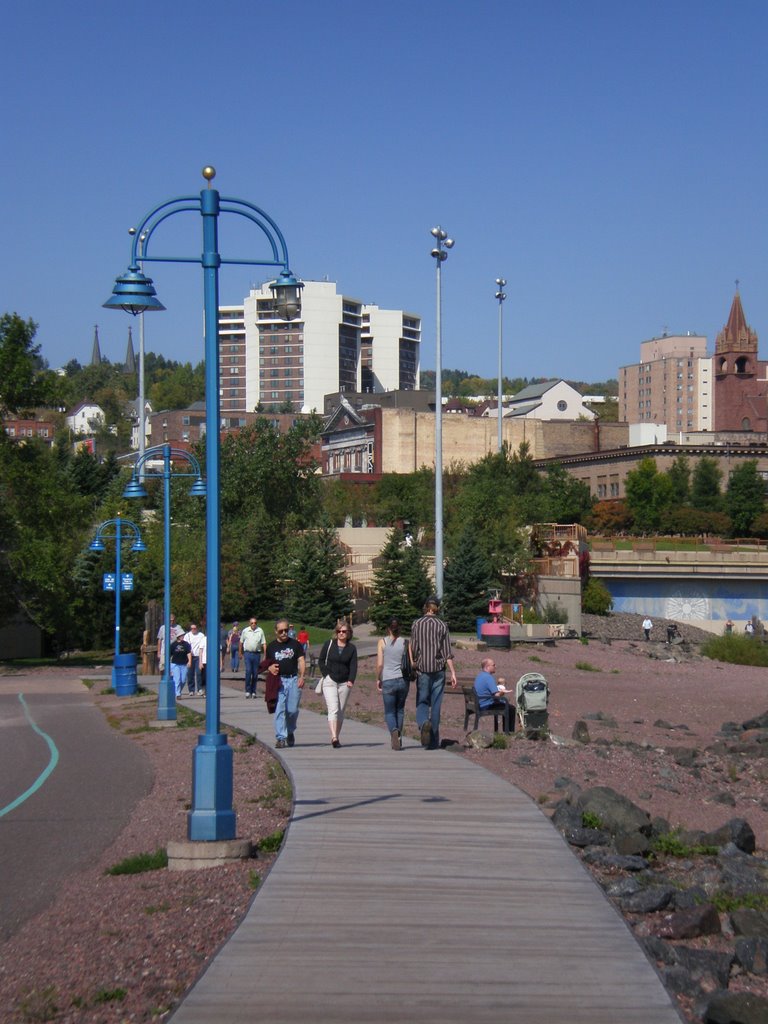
124,681
480,621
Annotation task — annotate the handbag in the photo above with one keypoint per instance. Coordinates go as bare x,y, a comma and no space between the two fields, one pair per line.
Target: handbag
319,684
406,665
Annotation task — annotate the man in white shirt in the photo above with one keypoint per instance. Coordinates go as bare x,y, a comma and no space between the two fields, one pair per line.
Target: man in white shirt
252,644
197,642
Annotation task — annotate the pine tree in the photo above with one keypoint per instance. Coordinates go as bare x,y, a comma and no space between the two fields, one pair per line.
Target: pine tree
400,583
316,590
467,577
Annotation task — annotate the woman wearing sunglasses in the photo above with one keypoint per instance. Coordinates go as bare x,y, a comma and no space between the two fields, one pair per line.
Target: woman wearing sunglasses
338,664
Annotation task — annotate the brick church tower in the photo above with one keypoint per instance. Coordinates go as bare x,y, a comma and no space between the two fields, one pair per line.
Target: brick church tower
741,388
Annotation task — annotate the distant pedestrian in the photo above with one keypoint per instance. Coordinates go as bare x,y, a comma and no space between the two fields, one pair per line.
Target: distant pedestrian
749,629
431,654
233,640
390,681
252,644
180,657
288,653
647,627
196,640
338,665
303,637
174,631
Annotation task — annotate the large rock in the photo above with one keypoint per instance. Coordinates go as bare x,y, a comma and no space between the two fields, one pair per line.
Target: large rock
580,731
647,901
689,923
753,924
615,812
759,722
736,831
736,1008
752,955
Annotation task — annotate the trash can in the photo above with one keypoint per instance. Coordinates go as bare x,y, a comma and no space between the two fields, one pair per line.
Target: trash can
124,681
481,620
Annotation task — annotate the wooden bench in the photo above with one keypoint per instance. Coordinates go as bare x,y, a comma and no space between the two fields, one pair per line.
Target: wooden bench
472,707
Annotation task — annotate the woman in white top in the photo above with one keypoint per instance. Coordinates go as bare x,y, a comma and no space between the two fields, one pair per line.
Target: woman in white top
390,682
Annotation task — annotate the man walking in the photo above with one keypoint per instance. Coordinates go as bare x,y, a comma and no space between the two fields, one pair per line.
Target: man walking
196,641
252,644
289,655
431,655
180,654
175,631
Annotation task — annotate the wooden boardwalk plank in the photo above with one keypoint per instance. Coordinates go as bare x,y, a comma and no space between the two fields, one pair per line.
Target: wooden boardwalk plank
415,885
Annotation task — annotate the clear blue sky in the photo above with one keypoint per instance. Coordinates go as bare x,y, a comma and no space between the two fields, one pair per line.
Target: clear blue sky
608,159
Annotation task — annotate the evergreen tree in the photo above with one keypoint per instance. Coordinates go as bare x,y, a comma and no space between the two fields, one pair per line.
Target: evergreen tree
316,588
745,497
649,494
705,486
467,578
679,474
397,572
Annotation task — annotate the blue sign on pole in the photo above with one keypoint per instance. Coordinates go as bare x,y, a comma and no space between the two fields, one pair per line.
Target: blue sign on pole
108,581
126,581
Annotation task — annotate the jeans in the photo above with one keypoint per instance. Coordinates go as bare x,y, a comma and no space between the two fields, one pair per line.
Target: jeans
429,698
235,655
394,693
179,677
195,676
287,710
252,662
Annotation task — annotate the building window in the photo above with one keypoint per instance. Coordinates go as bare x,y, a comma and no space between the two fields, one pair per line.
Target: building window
562,406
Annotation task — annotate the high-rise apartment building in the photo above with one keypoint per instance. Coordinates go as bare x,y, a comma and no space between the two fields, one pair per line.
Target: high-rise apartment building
339,344
672,384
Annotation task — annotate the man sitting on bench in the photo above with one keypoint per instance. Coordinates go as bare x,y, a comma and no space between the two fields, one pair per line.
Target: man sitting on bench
490,693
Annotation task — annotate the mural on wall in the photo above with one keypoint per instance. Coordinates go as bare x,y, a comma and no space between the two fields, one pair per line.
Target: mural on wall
702,600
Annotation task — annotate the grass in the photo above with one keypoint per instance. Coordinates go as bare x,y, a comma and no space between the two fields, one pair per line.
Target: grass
110,995
725,902
254,880
157,908
586,666
39,1004
140,863
280,788
736,650
591,820
500,741
671,845
272,843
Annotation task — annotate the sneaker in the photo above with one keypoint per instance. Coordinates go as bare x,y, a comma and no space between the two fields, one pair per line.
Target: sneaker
248,696
280,744
426,734
395,738
291,739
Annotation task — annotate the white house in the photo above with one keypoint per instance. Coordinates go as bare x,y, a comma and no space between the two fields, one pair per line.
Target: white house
552,400
85,418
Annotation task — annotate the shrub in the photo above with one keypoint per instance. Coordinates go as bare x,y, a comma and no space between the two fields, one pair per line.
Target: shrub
586,666
736,650
596,598
140,863
554,612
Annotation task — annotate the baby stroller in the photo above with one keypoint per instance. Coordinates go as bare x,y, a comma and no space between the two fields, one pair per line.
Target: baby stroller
531,701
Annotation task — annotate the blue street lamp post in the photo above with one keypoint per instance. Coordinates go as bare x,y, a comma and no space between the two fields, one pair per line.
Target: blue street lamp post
212,816
124,665
166,697
500,295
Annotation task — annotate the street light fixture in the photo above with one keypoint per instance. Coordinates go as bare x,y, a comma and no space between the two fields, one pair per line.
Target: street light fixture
124,665
442,242
166,696
500,295
212,816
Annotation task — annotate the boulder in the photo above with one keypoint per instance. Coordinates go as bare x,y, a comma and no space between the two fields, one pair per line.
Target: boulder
736,1008
566,817
684,756
752,955
580,731
752,924
479,740
586,836
632,843
616,812
689,923
648,900
759,722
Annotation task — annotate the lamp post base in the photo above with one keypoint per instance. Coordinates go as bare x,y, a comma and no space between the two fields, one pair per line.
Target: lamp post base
166,700
212,816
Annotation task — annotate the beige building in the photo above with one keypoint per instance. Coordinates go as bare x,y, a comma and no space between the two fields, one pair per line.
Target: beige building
671,385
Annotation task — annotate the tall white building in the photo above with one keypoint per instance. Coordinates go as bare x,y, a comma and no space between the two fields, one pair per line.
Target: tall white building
339,344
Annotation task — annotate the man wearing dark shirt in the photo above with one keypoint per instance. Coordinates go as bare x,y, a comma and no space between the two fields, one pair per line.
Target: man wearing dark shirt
181,661
289,654
431,654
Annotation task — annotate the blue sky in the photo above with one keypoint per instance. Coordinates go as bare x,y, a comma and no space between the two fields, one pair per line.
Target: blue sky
609,160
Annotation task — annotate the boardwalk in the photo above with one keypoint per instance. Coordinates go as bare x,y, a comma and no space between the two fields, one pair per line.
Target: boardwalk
415,886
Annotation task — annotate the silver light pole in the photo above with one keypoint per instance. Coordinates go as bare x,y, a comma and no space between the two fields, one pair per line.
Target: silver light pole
443,242
500,282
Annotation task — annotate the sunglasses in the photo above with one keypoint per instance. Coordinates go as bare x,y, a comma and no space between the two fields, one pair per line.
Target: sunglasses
340,631
281,630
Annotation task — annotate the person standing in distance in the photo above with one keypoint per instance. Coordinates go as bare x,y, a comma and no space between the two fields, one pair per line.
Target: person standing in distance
175,631
647,627
252,644
289,654
431,655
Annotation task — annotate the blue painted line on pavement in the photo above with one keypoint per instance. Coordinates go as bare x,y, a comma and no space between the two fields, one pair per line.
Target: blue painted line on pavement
54,760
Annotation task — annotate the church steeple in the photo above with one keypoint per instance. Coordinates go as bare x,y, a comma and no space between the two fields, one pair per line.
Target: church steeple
130,359
736,336
96,351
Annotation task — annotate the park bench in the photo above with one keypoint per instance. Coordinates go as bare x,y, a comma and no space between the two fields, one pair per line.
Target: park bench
472,707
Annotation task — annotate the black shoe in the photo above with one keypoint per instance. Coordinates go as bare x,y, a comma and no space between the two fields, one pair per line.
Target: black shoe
280,744
426,734
291,739
335,744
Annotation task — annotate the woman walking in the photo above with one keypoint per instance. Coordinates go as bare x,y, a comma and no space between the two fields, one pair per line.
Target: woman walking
390,681
338,665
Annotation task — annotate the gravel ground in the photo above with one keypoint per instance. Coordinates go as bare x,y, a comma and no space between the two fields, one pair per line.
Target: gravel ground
134,963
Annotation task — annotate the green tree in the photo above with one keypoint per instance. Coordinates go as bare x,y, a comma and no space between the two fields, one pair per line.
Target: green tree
679,474
648,493
23,384
564,499
467,579
316,588
390,597
705,485
744,497
596,598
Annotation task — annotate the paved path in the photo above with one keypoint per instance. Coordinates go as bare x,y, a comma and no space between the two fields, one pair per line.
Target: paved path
415,886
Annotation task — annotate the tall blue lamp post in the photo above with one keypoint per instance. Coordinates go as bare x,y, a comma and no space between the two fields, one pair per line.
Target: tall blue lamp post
500,295
166,697
124,665
212,816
